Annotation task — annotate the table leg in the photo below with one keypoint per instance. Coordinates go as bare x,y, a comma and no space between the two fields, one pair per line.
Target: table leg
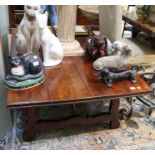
29,131
33,124
134,32
114,107
151,40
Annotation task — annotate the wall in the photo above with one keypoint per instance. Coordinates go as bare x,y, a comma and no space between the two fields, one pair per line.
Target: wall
5,121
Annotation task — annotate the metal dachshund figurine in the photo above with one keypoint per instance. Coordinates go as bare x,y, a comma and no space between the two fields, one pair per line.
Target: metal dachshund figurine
110,76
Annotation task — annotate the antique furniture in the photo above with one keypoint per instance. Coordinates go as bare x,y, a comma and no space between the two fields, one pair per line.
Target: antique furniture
88,16
72,82
91,12
132,19
16,13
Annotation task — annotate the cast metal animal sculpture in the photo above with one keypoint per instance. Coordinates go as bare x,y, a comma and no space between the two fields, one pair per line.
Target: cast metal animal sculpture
27,36
98,46
109,77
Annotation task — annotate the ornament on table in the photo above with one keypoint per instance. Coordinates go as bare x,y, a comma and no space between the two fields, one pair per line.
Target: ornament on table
115,67
27,36
114,61
98,46
52,49
113,76
25,71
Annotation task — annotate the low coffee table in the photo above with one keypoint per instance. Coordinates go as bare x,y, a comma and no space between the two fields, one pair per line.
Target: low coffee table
72,82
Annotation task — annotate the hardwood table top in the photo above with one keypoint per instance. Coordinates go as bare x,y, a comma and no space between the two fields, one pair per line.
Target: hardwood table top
131,18
73,81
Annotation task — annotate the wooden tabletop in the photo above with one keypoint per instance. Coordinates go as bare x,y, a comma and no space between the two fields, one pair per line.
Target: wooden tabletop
73,81
131,18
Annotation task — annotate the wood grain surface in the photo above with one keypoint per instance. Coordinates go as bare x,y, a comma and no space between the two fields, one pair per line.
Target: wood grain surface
73,81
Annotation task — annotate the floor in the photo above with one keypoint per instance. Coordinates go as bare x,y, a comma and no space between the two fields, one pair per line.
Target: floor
138,132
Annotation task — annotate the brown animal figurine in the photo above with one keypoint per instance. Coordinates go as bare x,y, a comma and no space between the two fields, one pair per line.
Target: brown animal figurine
108,76
27,36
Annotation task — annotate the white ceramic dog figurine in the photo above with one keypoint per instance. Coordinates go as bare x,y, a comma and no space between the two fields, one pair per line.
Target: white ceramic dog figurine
27,38
114,61
52,48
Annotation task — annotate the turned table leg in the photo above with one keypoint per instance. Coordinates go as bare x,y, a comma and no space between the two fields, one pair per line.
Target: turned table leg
29,131
114,110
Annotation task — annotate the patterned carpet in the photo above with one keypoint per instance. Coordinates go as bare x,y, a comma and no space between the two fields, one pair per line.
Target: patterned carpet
138,132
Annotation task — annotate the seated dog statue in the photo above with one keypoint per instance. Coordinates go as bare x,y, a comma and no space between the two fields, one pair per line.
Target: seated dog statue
110,76
27,36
